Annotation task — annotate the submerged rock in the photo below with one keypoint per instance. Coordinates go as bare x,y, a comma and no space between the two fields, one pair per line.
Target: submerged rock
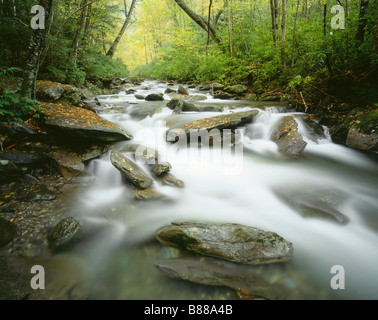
314,204
148,194
64,234
131,172
287,137
233,242
254,281
35,192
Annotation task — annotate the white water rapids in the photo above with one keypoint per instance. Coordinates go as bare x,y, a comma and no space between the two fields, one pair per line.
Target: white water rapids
247,194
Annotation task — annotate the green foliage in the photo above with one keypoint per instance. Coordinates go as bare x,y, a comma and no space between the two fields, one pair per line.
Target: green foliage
14,107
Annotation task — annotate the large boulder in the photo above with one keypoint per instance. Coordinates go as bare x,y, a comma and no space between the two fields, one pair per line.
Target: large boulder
130,171
363,134
229,121
49,91
68,122
237,89
233,242
69,164
287,137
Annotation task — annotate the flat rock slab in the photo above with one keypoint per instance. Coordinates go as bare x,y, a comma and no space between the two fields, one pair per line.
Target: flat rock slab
233,242
81,123
130,171
229,121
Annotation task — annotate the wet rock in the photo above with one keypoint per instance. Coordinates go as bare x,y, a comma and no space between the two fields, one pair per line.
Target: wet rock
183,90
159,169
233,242
213,86
9,171
140,97
130,171
363,135
49,91
69,164
170,180
211,109
155,97
148,194
256,281
340,133
314,204
316,130
64,234
224,95
179,105
68,122
195,98
230,121
7,232
237,89
169,90
289,141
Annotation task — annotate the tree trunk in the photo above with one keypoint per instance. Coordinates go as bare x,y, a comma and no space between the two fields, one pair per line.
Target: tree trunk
375,35
294,35
364,7
37,43
201,21
274,13
113,48
283,40
75,45
229,28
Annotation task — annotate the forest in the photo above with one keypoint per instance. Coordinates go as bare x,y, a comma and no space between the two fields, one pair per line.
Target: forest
188,149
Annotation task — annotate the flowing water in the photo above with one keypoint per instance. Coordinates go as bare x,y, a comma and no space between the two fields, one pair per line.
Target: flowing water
258,188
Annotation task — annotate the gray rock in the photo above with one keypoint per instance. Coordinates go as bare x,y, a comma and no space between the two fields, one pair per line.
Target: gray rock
224,95
233,242
363,135
148,194
7,232
64,234
178,106
69,164
248,280
237,89
170,180
131,172
289,141
183,90
140,97
213,86
50,91
170,90
155,97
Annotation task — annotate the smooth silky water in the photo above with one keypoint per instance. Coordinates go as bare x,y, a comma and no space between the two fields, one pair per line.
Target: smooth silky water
232,188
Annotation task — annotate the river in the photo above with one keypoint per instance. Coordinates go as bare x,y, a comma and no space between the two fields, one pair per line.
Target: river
255,186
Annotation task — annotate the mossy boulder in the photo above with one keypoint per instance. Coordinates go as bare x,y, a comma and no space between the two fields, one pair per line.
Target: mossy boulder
363,134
